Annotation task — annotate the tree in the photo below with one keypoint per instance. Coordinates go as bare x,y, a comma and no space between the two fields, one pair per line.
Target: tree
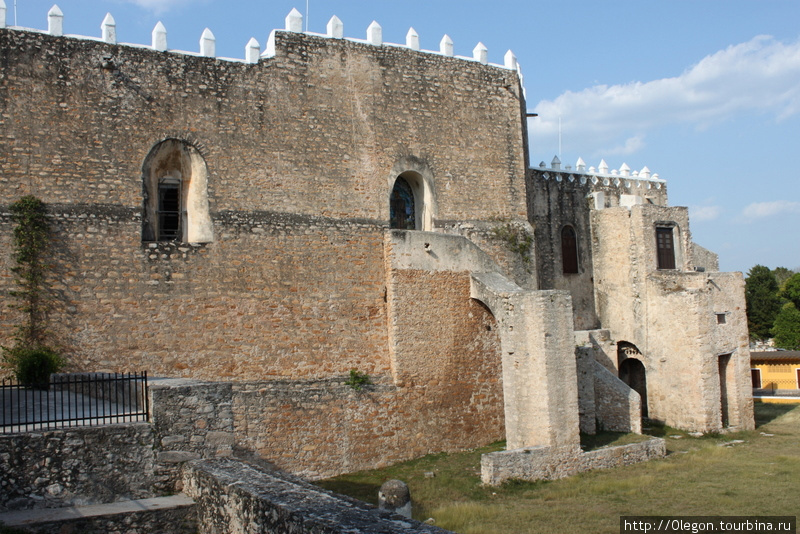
782,274
763,301
787,328
791,290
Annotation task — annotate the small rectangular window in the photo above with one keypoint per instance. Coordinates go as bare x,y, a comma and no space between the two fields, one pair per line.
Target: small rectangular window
721,318
665,248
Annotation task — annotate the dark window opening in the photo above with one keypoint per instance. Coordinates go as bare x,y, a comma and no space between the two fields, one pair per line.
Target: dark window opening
724,368
721,319
402,211
169,211
569,250
665,248
755,375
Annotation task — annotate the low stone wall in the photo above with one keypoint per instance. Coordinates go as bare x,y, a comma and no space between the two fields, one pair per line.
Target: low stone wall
234,497
550,463
190,420
76,466
147,516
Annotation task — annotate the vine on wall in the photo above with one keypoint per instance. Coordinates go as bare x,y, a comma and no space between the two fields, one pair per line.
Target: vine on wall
31,359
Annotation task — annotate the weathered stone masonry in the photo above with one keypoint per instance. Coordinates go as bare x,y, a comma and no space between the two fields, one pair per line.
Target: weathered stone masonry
238,224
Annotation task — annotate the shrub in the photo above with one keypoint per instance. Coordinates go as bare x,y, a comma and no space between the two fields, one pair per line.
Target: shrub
33,366
357,380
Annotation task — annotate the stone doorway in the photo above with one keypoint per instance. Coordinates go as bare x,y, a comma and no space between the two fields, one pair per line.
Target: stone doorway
632,371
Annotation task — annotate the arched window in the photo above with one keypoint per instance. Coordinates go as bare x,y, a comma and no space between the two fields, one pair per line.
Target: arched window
174,183
569,250
402,207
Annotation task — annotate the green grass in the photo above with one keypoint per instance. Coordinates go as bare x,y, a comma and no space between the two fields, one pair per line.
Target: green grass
699,476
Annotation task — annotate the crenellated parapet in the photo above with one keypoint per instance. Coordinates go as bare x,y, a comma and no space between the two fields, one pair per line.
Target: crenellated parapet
610,187
253,51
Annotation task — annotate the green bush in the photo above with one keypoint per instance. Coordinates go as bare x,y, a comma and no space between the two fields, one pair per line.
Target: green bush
33,366
357,380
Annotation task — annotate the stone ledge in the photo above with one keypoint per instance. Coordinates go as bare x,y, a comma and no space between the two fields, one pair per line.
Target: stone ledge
230,492
52,515
551,463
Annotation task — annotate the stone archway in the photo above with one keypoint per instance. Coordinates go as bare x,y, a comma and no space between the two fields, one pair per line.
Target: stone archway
632,371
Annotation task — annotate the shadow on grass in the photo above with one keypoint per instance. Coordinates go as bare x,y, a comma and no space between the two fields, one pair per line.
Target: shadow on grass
767,412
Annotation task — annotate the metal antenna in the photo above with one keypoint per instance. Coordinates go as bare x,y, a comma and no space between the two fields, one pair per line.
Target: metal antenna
306,16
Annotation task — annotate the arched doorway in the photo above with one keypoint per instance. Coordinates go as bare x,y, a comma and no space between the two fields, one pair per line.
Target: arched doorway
632,371
402,206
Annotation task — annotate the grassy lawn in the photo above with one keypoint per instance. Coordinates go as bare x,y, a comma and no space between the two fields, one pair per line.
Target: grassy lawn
699,476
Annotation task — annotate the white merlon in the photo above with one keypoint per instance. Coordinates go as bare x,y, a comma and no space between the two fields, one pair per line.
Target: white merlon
294,21
252,51
556,163
269,50
603,167
644,173
580,165
208,44
160,37
446,46
412,39
375,34
335,28
55,21
108,29
480,53
510,60
625,170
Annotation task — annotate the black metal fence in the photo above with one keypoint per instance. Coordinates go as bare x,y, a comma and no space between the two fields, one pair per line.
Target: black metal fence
76,399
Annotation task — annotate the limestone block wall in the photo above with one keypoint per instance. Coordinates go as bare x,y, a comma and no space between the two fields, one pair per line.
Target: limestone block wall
618,408
76,466
645,307
302,150
235,497
334,115
274,296
552,206
323,428
546,463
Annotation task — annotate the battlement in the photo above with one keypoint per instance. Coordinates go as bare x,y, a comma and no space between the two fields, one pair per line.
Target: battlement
601,175
253,51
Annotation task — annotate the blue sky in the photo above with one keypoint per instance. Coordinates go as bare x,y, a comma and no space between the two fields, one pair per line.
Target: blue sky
706,93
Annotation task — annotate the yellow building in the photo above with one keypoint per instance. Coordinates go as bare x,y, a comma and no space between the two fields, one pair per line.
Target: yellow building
776,376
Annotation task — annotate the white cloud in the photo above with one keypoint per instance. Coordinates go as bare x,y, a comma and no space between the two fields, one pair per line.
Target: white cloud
704,213
760,75
758,210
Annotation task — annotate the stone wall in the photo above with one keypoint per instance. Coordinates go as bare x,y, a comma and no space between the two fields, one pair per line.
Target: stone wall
301,159
323,428
551,463
82,465
645,306
169,520
190,420
234,497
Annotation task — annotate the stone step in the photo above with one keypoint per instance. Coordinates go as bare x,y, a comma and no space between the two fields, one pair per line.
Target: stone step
22,518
